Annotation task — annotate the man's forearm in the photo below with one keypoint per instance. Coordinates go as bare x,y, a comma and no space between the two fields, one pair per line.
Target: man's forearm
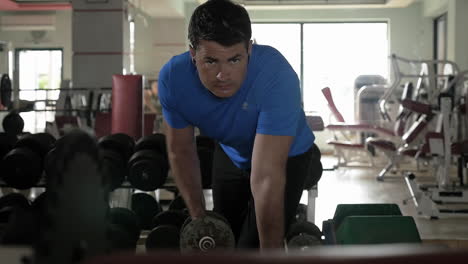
186,172
268,193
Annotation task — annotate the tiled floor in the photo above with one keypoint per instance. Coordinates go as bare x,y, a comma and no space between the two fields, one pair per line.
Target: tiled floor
359,185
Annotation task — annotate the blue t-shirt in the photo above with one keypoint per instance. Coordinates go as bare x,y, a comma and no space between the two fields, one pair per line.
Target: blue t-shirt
268,102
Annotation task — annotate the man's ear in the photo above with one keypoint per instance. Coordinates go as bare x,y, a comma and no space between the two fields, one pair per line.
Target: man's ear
249,49
192,52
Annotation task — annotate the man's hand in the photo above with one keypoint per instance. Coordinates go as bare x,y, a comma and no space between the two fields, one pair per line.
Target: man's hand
268,180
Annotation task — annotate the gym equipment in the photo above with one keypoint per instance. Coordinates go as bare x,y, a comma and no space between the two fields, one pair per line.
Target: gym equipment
5,91
165,230
77,204
207,233
7,142
115,150
13,123
124,228
205,151
127,90
301,213
382,229
146,208
303,235
369,224
148,166
178,203
31,150
9,202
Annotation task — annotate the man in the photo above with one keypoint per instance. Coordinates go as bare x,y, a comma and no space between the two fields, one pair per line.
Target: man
246,97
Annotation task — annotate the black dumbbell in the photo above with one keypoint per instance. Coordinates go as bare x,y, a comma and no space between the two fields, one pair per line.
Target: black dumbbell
165,230
301,213
178,204
124,230
23,166
205,151
17,222
303,235
148,167
13,123
211,232
114,151
146,208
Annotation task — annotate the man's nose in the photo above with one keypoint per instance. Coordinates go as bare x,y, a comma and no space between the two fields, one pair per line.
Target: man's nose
223,73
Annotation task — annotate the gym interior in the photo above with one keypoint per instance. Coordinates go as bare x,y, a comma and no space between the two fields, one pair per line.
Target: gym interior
384,88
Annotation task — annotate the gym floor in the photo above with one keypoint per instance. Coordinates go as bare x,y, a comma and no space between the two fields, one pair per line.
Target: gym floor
359,185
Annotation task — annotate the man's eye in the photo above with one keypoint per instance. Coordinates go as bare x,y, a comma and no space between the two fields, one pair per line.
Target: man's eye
210,62
233,61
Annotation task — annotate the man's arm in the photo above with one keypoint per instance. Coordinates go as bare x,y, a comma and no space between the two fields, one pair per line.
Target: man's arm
268,180
185,167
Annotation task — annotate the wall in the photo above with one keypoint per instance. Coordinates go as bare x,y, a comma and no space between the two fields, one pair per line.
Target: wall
58,38
156,41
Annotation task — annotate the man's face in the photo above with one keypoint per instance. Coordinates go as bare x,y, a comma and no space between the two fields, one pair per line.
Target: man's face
221,69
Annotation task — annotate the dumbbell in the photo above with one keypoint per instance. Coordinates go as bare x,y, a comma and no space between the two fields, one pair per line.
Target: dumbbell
301,213
114,151
165,230
17,222
146,208
178,204
124,230
211,232
148,167
7,142
13,124
303,235
22,167
205,151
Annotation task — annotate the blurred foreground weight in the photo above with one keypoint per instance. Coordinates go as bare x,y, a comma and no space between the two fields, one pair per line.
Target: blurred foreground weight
148,166
303,235
114,151
22,167
208,233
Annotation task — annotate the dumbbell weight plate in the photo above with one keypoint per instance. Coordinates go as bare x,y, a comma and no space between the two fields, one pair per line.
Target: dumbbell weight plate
156,142
147,170
21,168
304,228
206,234
146,208
170,217
177,204
119,142
127,220
304,241
113,168
13,123
163,237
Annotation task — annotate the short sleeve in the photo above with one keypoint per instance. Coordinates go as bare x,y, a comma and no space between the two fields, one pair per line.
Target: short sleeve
167,92
281,105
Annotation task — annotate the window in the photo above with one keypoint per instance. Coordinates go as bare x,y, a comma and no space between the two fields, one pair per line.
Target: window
329,54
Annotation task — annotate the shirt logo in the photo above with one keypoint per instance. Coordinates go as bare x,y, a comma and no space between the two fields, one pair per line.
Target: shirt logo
245,105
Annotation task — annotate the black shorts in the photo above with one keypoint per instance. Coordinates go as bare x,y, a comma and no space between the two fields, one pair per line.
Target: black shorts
233,199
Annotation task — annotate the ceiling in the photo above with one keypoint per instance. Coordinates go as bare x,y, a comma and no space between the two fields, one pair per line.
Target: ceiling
175,8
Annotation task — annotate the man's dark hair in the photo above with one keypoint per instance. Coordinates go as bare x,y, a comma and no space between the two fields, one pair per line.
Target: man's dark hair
222,21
